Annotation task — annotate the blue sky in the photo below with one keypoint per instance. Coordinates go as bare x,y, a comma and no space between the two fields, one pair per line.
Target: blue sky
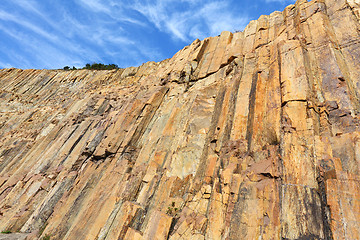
54,33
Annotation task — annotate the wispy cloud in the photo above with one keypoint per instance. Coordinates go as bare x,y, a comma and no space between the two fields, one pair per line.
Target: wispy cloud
281,1
196,19
35,52
53,40
222,18
95,5
19,20
49,34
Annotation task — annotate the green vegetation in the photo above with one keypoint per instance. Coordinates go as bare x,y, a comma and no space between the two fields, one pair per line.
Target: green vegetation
100,66
42,229
6,232
68,68
94,66
46,237
172,210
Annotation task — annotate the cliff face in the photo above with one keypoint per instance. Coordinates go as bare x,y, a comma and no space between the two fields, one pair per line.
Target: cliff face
251,135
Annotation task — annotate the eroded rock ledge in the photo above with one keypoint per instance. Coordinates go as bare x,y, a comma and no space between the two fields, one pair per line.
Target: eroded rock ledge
251,135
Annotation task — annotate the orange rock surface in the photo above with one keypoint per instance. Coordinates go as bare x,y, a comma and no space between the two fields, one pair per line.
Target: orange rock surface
248,135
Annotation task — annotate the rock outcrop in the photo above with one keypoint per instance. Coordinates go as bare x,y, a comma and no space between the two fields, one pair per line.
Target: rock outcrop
248,135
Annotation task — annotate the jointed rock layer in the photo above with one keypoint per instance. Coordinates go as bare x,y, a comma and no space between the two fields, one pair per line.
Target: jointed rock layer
251,135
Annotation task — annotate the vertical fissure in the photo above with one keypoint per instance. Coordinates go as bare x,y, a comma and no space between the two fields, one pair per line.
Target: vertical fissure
251,115
325,210
281,149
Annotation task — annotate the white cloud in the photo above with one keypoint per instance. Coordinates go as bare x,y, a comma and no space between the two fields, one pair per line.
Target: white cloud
26,24
95,5
54,41
5,65
101,28
200,19
281,1
43,54
221,18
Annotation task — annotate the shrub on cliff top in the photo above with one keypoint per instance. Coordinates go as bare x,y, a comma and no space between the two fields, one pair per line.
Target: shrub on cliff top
100,66
95,66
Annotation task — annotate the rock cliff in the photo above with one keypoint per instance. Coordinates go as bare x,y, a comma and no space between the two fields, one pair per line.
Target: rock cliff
248,135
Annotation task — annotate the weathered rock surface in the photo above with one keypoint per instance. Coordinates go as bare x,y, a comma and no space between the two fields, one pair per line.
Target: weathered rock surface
251,135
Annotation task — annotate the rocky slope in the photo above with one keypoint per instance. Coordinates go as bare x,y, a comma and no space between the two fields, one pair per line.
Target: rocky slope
251,135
